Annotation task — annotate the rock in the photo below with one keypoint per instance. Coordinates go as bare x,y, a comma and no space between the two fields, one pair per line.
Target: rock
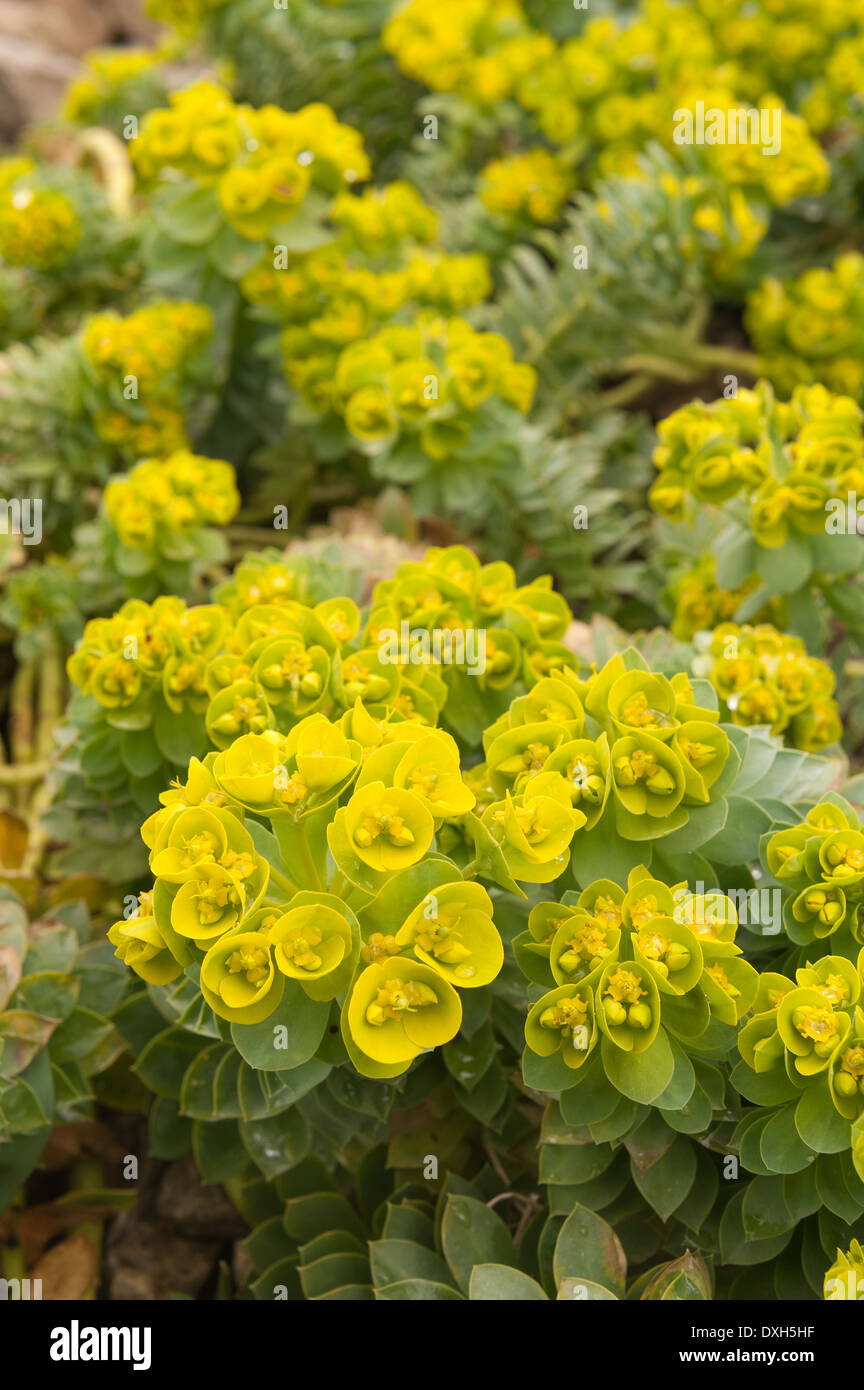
146,1260
42,43
193,1209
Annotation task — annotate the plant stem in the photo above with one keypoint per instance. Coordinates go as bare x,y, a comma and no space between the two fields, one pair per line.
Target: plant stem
308,861
21,725
626,391
20,773
51,698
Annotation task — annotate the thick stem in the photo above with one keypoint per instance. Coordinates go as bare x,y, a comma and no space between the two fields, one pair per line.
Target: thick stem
21,727
52,690
308,861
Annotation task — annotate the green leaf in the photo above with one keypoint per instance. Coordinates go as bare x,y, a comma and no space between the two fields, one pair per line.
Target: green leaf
170,1132
472,1234
278,1143
735,557
140,752
493,1283
584,1290
188,213
839,1187
219,1151
268,1243
19,1157
290,1036
588,1248
231,254
683,1280
740,1249
573,1164
788,567
468,1059
417,1291
738,841
603,845
764,1212
781,1146
307,1216
164,1062
179,736
332,1272
393,1261
641,1076
667,1182
547,1073
593,1099
818,1123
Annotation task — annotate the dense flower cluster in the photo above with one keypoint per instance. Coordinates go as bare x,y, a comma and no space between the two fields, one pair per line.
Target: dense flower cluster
140,362
763,676
38,228
110,75
845,1279
338,294
430,382
184,15
700,605
627,962
427,855
280,927
261,163
258,659
630,738
613,88
820,865
159,516
533,186
715,452
812,329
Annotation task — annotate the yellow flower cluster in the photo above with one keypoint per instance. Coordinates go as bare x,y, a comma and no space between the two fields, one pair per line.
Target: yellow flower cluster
812,329
184,15
384,217
821,863
534,185
106,72
140,362
619,958
714,452
162,498
429,379
259,659
38,228
262,163
292,930
763,676
835,96
845,1279
769,45
478,48
616,85
339,294
700,605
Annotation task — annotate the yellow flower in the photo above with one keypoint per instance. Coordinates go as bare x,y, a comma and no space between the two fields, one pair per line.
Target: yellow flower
401,1008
